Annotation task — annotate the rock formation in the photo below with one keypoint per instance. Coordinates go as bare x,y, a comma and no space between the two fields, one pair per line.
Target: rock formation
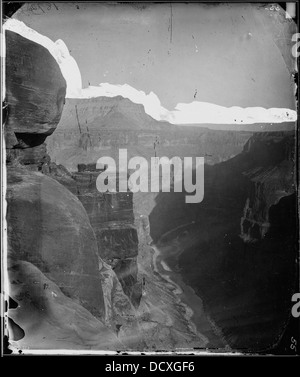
91,128
49,319
65,295
82,265
272,179
111,216
239,246
48,227
35,96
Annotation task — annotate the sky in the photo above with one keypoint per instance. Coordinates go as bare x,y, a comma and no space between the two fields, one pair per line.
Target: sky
181,59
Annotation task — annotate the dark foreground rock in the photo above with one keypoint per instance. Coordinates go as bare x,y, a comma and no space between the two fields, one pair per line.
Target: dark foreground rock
48,226
65,296
48,318
35,90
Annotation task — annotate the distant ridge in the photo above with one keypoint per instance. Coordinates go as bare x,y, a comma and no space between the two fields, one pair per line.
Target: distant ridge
108,112
120,113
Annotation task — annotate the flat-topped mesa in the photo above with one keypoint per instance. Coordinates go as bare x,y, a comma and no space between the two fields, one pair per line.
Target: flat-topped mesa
95,127
106,112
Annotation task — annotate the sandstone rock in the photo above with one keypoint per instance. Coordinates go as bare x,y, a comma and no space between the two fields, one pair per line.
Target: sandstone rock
36,156
120,314
60,174
49,319
117,241
48,227
111,216
35,95
35,89
54,266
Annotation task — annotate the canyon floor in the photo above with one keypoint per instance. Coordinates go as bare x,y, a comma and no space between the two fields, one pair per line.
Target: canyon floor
170,307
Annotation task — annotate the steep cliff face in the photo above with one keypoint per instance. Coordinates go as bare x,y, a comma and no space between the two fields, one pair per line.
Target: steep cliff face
102,112
165,320
65,295
238,247
95,127
72,257
271,180
111,216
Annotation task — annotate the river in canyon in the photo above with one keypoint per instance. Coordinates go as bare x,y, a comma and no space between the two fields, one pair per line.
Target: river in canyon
166,255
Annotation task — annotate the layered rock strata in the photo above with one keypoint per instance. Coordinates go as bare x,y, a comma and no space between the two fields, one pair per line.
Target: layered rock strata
111,216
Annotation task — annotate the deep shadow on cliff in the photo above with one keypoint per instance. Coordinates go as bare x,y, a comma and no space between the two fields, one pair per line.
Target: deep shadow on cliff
239,244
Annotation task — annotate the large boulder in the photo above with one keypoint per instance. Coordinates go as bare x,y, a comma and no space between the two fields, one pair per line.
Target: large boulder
48,227
35,90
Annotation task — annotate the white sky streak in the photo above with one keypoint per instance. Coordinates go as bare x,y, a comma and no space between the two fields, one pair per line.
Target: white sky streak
184,113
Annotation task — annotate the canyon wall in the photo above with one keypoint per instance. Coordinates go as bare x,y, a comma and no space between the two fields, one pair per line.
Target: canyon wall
231,254
64,295
81,264
270,180
97,127
112,218
239,246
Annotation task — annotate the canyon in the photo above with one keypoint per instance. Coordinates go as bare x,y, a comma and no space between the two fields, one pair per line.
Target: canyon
242,236
238,248
145,271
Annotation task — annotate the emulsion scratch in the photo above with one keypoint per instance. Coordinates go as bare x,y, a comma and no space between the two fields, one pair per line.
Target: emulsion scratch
41,9
196,47
171,23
